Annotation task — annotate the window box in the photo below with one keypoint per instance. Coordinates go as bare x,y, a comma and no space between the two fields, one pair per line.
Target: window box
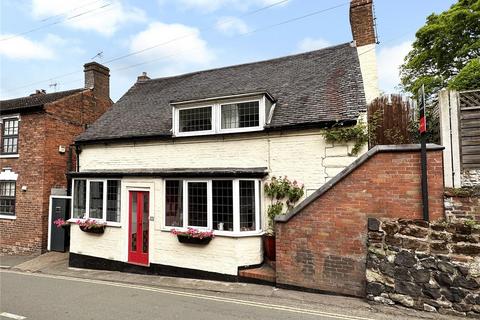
97,230
190,240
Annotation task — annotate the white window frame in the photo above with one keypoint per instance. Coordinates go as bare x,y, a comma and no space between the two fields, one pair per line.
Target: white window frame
87,201
217,117
9,116
176,112
236,207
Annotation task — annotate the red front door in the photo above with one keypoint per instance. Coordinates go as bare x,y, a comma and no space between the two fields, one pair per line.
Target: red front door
139,205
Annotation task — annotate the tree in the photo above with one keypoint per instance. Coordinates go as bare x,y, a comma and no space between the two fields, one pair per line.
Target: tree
442,49
468,77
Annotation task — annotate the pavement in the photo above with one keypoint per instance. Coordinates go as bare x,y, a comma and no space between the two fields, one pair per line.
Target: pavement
47,273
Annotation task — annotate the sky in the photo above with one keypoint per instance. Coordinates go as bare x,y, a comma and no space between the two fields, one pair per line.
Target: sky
44,43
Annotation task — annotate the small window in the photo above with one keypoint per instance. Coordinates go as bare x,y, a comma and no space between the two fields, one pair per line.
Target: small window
9,136
7,198
113,200
174,203
96,199
197,204
195,119
222,198
247,205
240,115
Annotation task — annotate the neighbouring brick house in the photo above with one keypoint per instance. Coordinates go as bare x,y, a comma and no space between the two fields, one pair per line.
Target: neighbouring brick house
196,150
36,138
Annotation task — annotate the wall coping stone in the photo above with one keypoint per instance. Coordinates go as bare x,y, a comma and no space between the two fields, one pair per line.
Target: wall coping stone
350,168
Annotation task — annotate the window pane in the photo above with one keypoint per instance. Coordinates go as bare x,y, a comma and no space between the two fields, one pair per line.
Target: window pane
174,203
133,227
222,198
96,200
240,115
197,119
113,200
197,204
247,205
145,220
10,136
7,198
79,198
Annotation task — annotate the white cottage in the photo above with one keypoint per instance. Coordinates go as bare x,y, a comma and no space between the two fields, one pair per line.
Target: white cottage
195,150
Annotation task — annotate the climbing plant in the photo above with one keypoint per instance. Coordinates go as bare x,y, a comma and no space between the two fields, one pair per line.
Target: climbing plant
357,134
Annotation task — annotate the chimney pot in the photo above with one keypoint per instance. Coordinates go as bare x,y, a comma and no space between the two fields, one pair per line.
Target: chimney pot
97,78
362,22
143,77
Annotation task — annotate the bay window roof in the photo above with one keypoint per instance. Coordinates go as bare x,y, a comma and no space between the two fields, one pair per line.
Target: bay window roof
313,88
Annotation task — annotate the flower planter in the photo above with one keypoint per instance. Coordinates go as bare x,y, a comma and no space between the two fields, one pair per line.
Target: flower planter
191,240
269,247
96,230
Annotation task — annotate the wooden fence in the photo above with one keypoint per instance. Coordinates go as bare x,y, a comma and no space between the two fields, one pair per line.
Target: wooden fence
389,120
470,129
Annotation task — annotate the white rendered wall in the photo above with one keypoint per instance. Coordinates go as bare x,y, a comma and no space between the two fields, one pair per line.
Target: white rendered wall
368,65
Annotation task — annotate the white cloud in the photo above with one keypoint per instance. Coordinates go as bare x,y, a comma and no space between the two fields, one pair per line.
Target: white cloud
189,50
22,48
310,44
212,5
104,17
231,26
389,61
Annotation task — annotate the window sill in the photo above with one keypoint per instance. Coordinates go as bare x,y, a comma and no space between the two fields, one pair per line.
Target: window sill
7,217
109,224
227,234
6,156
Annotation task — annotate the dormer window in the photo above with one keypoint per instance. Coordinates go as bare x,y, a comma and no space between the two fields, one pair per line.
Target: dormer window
221,115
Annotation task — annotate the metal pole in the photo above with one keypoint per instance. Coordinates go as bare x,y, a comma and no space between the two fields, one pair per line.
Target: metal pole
424,178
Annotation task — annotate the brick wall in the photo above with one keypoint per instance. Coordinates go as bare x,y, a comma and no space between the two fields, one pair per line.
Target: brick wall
361,22
24,234
41,166
323,246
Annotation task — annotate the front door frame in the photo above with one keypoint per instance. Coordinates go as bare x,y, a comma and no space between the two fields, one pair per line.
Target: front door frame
49,233
131,256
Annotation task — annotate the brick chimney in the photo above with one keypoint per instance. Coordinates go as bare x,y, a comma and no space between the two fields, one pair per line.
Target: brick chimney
362,22
97,78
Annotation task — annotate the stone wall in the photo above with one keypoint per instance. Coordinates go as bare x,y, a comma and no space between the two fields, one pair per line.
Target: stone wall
463,203
432,267
470,177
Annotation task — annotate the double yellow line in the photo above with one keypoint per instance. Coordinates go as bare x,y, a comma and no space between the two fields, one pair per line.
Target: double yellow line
200,296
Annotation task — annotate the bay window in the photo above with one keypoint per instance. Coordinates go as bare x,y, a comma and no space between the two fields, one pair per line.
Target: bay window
96,199
224,205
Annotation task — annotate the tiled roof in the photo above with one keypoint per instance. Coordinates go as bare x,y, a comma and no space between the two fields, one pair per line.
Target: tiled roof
310,88
19,104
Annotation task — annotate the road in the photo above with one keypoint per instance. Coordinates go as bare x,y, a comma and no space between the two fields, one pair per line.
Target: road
39,296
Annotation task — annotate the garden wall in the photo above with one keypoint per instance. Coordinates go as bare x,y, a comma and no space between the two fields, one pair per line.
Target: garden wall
432,267
463,203
322,243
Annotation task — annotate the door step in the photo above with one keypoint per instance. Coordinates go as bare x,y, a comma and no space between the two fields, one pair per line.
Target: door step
264,274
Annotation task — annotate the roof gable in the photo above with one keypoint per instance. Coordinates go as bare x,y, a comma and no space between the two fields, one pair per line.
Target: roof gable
24,103
309,88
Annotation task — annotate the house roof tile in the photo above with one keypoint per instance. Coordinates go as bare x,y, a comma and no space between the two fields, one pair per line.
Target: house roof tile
314,87
23,103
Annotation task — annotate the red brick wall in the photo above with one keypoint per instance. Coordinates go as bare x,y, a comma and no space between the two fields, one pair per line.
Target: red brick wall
41,167
361,22
24,234
463,203
323,247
